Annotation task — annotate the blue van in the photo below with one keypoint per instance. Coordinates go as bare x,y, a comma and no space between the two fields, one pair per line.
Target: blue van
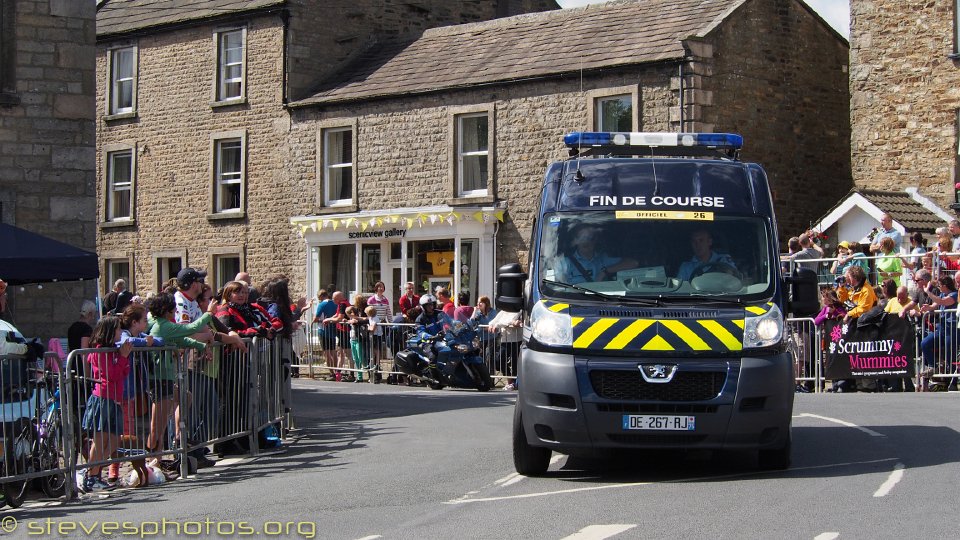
654,304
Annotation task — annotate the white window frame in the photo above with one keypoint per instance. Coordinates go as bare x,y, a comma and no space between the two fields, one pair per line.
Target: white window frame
217,256
595,98
330,165
221,79
598,118
462,153
110,273
115,79
113,187
235,178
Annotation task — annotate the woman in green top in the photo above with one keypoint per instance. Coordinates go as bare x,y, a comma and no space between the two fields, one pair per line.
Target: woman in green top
162,308
889,266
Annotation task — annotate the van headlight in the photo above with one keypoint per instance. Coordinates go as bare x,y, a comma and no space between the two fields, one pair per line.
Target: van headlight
550,328
763,331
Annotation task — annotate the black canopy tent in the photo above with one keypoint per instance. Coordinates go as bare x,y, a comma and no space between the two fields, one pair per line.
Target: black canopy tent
27,257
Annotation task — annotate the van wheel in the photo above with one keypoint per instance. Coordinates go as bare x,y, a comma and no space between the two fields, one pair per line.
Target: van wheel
527,460
775,459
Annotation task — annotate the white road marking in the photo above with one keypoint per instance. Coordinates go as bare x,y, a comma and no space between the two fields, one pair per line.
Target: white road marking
826,536
372,537
547,493
513,480
891,481
599,532
465,499
506,478
868,431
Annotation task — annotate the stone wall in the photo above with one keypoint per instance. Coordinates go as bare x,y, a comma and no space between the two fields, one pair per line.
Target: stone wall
905,96
403,149
175,121
778,75
47,182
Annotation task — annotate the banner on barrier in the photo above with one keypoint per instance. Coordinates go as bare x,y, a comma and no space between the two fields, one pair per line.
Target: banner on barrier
882,349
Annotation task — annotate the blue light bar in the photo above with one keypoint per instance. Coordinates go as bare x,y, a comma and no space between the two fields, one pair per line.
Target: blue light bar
578,139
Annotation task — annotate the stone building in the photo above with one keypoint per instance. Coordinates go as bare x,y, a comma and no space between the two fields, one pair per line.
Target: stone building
192,126
905,96
47,178
234,135
423,160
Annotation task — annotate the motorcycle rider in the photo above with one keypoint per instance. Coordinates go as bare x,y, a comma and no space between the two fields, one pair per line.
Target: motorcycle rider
431,320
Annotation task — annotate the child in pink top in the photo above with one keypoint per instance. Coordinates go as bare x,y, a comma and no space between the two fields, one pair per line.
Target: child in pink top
103,417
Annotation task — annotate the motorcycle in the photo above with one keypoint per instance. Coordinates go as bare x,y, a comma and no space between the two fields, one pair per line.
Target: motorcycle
449,358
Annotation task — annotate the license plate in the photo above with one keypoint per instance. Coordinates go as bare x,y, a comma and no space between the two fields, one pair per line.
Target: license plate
659,423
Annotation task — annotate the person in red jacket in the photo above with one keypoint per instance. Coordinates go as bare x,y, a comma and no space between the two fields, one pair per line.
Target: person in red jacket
410,298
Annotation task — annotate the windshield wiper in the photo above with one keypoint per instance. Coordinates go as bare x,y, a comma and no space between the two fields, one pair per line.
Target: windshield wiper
702,298
582,289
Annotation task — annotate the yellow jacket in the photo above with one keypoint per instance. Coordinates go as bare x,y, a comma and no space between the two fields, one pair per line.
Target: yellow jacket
865,299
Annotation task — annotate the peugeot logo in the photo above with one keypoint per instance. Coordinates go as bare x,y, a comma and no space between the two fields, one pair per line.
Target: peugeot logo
657,373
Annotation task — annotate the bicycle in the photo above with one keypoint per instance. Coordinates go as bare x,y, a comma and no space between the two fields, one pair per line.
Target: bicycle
38,446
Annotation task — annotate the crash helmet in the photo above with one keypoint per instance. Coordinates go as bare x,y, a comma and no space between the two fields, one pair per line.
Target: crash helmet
428,299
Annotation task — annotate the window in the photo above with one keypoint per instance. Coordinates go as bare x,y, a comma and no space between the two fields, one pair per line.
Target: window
614,113
167,267
117,269
121,94
226,266
119,185
231,54
337,166
228,175
8,55
956,29
473,151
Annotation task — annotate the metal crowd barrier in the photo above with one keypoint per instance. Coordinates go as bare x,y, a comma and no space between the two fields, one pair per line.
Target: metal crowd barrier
937,342
60,422
326,355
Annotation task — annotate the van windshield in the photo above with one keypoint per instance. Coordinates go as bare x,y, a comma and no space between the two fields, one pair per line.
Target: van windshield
666,258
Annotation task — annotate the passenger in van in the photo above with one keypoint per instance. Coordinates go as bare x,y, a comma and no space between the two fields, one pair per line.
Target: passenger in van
587,263
701,242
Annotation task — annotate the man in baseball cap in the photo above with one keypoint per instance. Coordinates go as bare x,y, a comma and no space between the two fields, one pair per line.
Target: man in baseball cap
189,287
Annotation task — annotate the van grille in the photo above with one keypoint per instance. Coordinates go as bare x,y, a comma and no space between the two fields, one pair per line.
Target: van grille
685,386
647,314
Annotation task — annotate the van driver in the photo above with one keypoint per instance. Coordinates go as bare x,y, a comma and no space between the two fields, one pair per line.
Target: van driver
701,243
586,263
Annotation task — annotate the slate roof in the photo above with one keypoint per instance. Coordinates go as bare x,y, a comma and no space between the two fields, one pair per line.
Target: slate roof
527,46
904,209
124,16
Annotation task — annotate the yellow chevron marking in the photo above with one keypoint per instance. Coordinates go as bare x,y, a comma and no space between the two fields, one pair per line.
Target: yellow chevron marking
723,334
575,320
657,344
756,310
739,322
692,340
628,333
590,334
556,308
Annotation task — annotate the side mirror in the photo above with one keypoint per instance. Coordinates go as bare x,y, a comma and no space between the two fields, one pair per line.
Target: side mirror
510,279
804,293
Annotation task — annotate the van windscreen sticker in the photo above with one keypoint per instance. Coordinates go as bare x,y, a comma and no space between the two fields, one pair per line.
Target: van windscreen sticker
656,200
664,214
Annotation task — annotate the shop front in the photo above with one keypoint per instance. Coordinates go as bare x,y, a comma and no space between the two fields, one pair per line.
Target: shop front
435,246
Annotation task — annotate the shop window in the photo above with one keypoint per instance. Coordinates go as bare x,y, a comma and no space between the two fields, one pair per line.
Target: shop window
229,174
473,154
335,267
338,180
231,54
614,113
371,266
122,86
120,172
